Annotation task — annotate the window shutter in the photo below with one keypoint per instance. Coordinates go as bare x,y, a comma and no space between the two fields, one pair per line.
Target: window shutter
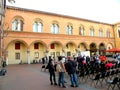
36,46
17,46
52,46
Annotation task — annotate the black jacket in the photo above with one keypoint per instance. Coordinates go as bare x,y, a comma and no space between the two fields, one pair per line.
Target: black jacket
71,66
50,67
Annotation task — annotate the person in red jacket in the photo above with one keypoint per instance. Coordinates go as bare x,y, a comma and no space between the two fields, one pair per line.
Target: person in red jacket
109,65
103,58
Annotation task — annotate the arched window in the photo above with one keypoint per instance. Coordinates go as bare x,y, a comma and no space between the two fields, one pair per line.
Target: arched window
92,31
100,32
17,25
37,26
81,31
69,30
55,28
119,31
108,33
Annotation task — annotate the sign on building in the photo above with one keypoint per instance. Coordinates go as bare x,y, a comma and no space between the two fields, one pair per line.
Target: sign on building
85,53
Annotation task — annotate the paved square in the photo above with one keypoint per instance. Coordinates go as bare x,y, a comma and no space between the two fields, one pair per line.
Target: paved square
30,77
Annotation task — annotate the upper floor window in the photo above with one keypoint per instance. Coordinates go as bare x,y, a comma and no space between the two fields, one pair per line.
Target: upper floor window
91,31
101,33
119,31
69,30
81,31
108,34
55,28
37,26
17,25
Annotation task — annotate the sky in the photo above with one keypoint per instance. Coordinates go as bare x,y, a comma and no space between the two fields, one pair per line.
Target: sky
106,11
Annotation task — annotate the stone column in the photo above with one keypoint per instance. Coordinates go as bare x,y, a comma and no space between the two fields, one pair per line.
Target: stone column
63,52
97,51
28,56
47,55
7,57
77,52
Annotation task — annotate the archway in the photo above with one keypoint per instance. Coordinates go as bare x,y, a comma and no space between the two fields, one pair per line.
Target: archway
55,49
93,49
101,49
37,51
16,52
70,49
82,47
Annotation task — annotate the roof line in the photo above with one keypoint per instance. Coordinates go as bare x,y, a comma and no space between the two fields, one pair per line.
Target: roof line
55,14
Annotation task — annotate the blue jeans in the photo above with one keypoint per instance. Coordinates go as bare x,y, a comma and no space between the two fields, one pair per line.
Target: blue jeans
61,79
74,79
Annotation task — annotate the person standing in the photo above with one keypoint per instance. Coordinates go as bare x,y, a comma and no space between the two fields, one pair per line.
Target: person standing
71,69
118,57
51,67
87,59
80,60
61,71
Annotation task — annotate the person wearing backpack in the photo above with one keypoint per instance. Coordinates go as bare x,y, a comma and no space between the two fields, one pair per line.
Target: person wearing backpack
51,67
61,70
71,69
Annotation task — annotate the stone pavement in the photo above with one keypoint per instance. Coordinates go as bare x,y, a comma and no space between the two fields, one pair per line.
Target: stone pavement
30,77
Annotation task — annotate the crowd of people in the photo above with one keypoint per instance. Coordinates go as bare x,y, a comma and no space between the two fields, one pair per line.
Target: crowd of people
72,66
62,66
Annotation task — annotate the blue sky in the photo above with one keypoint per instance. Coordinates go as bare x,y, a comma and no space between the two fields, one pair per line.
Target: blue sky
107,11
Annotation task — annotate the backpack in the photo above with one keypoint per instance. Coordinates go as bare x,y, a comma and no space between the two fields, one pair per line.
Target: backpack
58,67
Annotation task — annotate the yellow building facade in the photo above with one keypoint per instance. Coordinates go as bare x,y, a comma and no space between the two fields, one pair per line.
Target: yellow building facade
34,34
117,34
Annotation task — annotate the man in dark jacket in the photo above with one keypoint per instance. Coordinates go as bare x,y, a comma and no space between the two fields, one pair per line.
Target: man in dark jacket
51,69
80,59
71,69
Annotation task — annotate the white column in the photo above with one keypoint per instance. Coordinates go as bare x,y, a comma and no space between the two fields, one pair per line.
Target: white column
7,57
77,52
47,55
97,52
63,52
28,56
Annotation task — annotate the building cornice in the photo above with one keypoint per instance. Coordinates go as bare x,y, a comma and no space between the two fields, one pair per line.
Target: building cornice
55,14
